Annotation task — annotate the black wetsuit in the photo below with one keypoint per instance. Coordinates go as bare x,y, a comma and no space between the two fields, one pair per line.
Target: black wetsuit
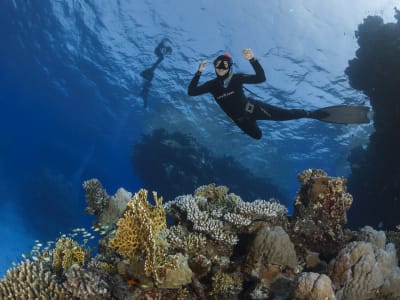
228,93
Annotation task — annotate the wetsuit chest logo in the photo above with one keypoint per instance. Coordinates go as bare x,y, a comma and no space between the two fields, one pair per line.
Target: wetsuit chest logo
224,95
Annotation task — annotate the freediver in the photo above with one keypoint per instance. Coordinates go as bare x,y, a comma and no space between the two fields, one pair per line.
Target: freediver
162,49
227,89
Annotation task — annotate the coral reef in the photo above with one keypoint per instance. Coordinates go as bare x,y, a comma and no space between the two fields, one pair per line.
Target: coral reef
222,216
313,286
320,212
270,250
32,280
375,176
138,235
88,284
66,254
107,208
174,164
217,246
366,269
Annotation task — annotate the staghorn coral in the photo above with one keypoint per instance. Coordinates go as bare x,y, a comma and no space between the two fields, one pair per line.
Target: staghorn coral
67,253
32,280
320,212
138,235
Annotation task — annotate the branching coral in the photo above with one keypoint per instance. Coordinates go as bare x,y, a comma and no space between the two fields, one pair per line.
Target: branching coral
67,253
225,285
181,240
138,235
219,215
31,280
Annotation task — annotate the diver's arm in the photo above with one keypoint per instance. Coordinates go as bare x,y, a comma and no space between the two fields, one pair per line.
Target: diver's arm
194,89
260,75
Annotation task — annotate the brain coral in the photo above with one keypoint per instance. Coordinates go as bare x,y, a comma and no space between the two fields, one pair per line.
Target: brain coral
313,286
361,270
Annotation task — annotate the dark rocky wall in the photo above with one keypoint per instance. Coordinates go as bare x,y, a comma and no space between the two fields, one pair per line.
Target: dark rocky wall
375,179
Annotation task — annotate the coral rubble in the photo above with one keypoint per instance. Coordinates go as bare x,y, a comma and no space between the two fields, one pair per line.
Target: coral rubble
217,246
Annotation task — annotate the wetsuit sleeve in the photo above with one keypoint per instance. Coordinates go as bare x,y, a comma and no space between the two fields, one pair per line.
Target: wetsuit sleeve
196,89
258,77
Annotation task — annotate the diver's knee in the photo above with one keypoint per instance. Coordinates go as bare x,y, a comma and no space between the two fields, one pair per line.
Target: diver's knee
256,135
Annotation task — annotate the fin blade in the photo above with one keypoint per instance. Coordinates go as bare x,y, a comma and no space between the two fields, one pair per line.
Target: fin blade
342,114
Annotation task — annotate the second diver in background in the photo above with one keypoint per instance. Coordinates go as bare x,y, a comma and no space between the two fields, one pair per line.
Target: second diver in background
162,49
227,89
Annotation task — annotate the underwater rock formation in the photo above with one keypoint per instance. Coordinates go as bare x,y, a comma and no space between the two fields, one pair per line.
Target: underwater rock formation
217,247
174,164
375,174
320,212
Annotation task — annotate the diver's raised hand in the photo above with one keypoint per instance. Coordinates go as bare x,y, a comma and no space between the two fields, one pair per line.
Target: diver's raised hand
202,65
248,54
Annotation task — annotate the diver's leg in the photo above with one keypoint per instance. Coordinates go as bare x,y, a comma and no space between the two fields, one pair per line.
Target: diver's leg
250,127
264,111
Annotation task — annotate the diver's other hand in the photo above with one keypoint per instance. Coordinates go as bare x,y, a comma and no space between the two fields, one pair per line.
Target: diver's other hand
248,54
202,65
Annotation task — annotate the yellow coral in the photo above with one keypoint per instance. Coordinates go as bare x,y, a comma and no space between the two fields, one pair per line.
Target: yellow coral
225,285
67,253
138,231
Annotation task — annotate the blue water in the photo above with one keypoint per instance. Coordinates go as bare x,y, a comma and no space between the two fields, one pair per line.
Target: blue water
71,106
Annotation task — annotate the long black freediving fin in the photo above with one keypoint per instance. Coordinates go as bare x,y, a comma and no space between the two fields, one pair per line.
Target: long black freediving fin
342,114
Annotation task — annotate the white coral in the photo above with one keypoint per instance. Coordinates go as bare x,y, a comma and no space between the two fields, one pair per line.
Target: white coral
260,209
